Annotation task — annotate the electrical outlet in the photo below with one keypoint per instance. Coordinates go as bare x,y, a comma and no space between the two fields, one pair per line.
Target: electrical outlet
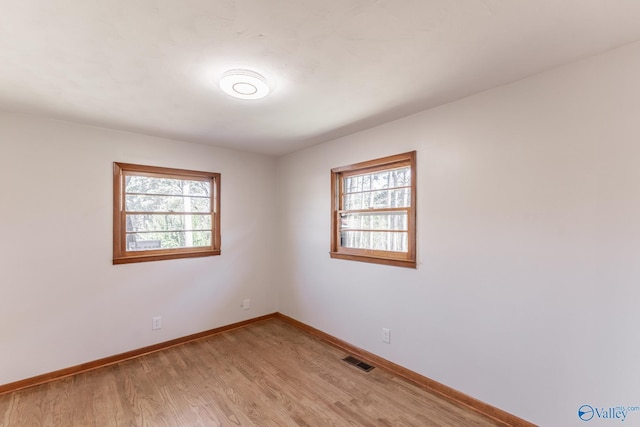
386,335
246,304
156,323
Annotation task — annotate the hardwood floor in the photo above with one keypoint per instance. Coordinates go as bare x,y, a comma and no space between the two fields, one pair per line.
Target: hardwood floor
266,374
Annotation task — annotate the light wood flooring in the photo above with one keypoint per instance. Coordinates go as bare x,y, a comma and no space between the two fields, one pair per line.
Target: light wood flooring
267,374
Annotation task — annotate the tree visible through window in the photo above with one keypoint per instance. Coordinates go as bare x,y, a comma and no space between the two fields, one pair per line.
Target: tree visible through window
373,205
162,213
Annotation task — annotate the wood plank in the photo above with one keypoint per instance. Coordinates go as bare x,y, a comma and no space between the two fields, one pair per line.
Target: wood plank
100,363
502,417
269,373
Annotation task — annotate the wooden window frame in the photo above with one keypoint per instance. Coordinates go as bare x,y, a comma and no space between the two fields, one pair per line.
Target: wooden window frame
120,253
400,259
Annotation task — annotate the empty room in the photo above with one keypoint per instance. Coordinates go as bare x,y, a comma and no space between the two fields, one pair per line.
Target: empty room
309,213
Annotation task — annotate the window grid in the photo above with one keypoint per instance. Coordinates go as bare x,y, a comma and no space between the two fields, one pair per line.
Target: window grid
164,213
373,206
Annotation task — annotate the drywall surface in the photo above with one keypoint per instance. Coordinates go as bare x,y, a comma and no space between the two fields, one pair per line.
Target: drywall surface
526,294
62,302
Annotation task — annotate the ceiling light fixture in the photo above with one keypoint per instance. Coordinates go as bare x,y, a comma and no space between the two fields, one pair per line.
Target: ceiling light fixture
244,84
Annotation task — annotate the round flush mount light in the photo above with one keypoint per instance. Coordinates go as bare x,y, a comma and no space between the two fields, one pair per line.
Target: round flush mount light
244,84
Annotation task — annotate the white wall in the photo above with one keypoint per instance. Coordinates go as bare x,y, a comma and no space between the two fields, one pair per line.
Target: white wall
62,302
527,292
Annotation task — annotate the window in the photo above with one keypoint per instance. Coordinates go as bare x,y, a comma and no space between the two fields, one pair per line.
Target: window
373,208
162,213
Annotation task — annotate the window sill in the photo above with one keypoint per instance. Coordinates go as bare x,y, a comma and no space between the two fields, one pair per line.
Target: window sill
160,257
375,260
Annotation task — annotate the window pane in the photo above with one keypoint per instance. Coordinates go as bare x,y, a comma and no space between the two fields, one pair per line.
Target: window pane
375,221
351,185
151,203
400,198
382,180
375,240
397,198
168,240
160,222
400,177
178,187
353,201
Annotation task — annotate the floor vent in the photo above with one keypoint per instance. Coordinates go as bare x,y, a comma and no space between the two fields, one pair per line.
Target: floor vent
359,363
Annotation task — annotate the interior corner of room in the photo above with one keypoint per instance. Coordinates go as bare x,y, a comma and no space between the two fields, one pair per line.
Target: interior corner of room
524,294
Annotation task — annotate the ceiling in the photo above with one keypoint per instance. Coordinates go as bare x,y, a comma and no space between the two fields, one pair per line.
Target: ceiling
337,66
